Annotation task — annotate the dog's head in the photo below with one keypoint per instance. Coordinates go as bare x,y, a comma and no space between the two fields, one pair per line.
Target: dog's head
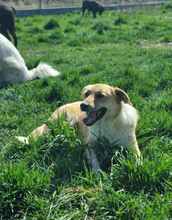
102,101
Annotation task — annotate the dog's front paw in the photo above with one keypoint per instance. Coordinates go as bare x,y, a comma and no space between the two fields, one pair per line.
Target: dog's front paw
22,139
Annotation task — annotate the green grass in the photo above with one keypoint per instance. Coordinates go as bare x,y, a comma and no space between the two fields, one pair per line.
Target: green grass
50,179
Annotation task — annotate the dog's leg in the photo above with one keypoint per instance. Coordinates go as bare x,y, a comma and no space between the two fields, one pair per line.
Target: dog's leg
12,29
94,14
136,152
92,160
83,11
134,148
6,34
34,135
13,34
39,131
133,145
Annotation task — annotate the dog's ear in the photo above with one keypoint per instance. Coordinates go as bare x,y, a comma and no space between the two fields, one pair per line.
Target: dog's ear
121,95
83,92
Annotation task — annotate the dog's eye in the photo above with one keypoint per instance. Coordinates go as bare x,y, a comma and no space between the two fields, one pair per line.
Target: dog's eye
87,94
99,95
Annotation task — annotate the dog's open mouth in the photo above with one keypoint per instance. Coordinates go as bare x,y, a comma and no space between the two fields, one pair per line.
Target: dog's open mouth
94,116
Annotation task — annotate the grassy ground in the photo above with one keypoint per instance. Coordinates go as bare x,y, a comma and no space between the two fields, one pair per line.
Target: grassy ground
49,179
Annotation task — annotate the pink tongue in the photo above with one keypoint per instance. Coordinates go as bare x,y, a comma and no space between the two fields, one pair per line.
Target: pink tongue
93,115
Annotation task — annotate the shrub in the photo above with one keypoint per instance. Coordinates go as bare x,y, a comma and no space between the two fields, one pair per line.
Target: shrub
51,24
120,20
100,27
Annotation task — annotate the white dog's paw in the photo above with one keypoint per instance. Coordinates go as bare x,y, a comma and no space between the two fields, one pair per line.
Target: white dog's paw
22,139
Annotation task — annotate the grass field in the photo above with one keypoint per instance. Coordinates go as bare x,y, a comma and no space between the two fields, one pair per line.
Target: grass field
49,179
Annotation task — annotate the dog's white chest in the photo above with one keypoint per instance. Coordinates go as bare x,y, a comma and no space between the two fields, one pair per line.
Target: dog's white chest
113,134
120,131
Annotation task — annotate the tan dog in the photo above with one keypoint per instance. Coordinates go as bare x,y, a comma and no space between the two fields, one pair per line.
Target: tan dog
106,111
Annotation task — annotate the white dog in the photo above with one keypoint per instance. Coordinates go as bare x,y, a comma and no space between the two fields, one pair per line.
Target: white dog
106,111
13,68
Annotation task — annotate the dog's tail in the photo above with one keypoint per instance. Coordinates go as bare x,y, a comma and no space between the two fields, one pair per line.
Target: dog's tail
41,71
24,140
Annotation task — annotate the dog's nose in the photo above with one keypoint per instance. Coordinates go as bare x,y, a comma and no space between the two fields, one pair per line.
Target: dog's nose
84,107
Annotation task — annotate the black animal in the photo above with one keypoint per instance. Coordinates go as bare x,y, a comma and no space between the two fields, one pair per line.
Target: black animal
92,6
7,22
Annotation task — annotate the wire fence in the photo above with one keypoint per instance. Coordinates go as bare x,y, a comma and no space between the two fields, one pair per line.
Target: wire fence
41,4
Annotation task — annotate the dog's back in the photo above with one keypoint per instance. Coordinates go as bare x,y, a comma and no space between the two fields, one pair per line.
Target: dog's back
12,65
92,6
